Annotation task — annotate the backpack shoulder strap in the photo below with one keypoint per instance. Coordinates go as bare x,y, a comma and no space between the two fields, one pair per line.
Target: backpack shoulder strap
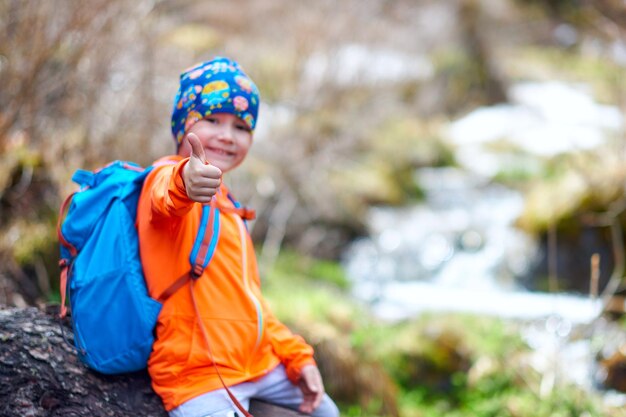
244,212
202,250
206,241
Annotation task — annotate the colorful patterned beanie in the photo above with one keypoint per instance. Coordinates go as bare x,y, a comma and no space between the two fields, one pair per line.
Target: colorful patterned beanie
215,86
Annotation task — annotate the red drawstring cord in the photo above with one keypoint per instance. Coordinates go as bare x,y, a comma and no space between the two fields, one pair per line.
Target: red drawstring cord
208,345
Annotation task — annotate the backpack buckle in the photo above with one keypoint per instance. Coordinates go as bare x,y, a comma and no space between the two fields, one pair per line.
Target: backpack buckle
196,271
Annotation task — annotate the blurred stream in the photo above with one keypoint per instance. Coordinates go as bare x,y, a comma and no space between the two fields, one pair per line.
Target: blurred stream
459,250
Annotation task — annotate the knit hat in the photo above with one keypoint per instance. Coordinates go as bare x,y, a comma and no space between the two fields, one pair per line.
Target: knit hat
215,86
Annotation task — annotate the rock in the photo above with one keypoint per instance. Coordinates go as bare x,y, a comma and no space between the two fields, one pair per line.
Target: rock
263,409
40,375
615,370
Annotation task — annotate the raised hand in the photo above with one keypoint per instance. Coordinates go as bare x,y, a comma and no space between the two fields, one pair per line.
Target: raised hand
201,178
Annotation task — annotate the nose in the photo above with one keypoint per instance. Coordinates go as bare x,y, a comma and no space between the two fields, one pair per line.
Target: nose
227,132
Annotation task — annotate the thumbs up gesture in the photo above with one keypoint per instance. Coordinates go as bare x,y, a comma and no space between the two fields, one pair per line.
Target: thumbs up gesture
201,178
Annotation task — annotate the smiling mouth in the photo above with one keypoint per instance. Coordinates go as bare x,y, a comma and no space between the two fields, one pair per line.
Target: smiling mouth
221,152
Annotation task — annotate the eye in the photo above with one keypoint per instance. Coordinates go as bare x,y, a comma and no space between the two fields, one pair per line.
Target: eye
211,119
242,126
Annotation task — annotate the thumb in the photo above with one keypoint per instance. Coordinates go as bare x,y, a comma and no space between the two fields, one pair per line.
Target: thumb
311,379
197,150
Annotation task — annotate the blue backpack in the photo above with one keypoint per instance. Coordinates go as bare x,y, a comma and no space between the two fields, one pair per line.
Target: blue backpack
113,317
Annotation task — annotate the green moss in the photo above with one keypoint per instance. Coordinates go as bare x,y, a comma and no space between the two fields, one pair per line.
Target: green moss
193,37
465,77
445,364
331,272
550,63
383,171
29,240
502,395
404,140
276,75
305,290
374,182
17,159
304,268
573,186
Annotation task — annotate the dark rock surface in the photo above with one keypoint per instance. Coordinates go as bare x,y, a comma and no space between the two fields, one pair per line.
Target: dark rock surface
40,375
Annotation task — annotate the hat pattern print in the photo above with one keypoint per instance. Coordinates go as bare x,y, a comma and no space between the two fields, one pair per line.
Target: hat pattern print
215,86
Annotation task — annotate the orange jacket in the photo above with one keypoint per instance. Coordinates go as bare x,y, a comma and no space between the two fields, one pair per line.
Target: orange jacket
246,340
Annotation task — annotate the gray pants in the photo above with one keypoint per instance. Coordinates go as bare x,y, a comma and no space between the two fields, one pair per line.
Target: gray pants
273,388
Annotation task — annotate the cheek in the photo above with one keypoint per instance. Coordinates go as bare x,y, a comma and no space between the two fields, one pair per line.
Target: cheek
244,148
244,140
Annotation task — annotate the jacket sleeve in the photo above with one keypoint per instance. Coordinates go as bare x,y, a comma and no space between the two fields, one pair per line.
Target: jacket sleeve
168,196
292,350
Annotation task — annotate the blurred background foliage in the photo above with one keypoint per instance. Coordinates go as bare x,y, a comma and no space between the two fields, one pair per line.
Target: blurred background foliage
433,365
342,129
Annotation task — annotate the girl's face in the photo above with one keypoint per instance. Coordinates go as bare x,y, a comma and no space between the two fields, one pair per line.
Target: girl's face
225,137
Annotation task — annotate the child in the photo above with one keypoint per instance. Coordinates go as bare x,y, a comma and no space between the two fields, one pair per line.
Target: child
215,331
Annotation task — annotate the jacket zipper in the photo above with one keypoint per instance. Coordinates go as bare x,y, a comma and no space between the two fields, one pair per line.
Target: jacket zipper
246,282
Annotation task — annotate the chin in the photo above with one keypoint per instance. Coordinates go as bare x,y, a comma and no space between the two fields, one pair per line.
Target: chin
224,167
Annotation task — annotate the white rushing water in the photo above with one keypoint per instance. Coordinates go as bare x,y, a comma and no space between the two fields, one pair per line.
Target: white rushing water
403,300
459,250
543,119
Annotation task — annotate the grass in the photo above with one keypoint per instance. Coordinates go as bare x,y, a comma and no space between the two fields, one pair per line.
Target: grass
449,365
